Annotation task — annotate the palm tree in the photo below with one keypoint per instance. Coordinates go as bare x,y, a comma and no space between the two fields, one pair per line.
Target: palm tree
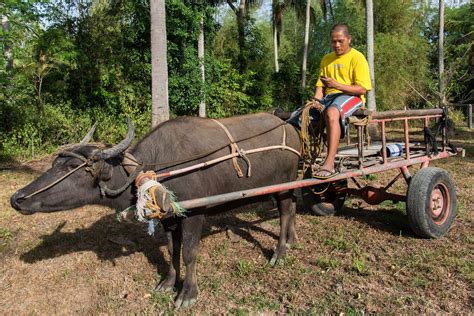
306,43
202,104
277,16
369,12
201,50
324,7
159,64
7,51
242,14
441,53
278,8
241,20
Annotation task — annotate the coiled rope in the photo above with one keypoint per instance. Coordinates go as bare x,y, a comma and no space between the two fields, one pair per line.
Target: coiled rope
310,136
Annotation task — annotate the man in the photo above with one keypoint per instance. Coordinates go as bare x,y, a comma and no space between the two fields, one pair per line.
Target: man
343,81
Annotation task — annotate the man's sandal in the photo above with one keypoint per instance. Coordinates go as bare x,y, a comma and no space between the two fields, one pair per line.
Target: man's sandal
329,174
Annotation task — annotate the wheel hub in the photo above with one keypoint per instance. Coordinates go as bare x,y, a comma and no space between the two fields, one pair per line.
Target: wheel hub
439,203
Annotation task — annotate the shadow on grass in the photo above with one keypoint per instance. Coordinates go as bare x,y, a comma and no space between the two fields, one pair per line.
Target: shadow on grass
391,220
96,238
242,228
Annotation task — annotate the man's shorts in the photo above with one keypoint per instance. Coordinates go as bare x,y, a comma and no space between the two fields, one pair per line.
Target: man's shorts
346,104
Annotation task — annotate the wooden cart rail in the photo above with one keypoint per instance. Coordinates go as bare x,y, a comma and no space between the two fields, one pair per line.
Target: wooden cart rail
398,115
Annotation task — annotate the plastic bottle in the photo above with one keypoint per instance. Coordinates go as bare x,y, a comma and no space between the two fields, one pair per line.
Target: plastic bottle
394,150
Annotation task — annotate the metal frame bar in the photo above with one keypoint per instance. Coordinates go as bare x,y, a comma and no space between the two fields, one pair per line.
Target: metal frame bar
232,196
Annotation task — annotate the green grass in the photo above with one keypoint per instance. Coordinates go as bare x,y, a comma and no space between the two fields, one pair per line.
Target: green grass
398,205
338,243
162,300
315,221
288,262
359,265
274,222
238,311
326,263
297,246
371,177
466,268
244,268
460,208
213,284
420,281
221,249
259,302
6,236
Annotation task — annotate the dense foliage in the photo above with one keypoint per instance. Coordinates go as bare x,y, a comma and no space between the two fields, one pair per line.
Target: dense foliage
80,61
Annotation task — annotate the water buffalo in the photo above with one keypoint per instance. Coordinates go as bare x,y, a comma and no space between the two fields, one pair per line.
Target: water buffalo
74,178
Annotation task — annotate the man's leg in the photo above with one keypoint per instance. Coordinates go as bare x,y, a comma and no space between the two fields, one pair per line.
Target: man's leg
341,107
332,118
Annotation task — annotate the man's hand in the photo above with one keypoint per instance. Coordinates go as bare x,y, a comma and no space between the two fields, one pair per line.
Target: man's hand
347,89
316,104
329,82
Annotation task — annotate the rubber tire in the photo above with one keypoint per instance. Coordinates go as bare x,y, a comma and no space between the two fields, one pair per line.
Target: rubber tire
418,206
326,204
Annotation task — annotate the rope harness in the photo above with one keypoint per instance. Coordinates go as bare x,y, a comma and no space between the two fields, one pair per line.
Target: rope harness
234,148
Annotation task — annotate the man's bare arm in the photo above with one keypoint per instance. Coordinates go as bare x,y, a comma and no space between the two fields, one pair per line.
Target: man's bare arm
347,89
319,93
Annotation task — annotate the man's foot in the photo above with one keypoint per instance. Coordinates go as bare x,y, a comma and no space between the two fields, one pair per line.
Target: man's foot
325,173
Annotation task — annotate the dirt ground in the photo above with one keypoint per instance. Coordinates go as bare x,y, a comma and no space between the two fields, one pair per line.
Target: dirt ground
363,260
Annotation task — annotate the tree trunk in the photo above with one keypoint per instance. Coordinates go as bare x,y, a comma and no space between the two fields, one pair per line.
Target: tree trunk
306,42
241,31
276,19
159,64
369,11
7,51
202,104
240,13
275,47
441,53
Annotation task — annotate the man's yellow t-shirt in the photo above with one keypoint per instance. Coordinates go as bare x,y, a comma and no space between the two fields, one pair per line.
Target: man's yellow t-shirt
349,69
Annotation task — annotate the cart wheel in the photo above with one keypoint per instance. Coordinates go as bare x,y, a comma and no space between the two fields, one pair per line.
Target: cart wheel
431,202
324,204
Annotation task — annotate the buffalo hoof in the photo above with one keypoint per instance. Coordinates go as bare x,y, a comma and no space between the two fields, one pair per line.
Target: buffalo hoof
274,259
277,256
186,298
165,286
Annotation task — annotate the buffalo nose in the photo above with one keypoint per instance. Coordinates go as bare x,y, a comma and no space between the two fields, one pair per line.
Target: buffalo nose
16,199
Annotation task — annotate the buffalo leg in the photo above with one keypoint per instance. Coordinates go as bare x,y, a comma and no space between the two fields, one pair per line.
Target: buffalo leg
174,249
291,233
191,233
284,201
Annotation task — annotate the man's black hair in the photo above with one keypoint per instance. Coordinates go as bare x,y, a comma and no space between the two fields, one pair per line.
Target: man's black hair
341,27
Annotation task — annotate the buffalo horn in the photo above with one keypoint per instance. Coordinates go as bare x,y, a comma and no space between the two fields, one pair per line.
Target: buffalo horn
120,147
89,134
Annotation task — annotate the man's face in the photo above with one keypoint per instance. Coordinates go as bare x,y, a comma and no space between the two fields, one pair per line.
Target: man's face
340,43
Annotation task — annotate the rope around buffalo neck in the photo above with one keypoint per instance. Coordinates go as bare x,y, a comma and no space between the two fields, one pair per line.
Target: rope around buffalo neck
154,202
